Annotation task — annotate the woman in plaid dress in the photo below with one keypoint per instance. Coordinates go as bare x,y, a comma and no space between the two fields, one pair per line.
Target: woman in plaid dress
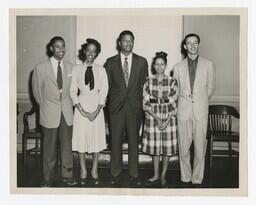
160,106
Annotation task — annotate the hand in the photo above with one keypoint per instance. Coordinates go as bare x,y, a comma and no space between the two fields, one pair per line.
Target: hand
92,116
159,124
165,124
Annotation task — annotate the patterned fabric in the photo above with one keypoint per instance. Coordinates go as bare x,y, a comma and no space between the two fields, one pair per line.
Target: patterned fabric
126,71
155,141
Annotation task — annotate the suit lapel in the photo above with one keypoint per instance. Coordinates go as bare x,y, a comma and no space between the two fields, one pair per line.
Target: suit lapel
64,76
51,73
133,69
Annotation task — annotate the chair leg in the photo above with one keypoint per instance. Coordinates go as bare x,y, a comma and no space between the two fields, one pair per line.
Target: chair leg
230,153
211,151
24,150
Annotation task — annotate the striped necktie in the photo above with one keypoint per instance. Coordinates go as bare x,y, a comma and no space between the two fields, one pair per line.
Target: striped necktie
126,71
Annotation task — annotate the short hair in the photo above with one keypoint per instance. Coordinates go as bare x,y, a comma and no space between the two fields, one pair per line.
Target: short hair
56,38
192,35
123,33
161,55
49,53
81,52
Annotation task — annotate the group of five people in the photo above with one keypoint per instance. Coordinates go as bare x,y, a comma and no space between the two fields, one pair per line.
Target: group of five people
175,109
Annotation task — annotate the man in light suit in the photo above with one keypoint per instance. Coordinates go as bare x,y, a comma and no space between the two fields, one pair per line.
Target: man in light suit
51,84
196,79
127,73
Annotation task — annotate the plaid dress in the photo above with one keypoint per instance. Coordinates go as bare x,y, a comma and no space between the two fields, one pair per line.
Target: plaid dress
161,98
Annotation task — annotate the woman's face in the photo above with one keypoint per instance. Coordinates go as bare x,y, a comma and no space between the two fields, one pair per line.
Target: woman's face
160,66
91,53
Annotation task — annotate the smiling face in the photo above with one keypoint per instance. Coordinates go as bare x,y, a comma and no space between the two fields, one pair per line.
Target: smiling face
192,45
126,44
159,66
90,53
58,49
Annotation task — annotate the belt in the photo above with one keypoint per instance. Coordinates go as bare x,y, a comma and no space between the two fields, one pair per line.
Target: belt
160,101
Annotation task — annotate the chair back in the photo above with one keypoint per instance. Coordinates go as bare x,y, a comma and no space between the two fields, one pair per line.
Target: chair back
34,112
220,118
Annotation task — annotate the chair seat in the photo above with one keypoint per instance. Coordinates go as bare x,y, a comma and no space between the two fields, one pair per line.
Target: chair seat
34,150
225,152
32,134
224,136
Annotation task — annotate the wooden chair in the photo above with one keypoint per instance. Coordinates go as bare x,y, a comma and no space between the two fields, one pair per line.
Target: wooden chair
31,134
220,129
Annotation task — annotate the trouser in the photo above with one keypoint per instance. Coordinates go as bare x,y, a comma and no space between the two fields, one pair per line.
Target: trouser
192,130
51,136
125,122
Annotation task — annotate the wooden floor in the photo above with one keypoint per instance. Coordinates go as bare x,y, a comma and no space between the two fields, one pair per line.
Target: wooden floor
224,174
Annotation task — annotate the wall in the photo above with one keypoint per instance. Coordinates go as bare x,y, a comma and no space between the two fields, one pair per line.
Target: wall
219,43
152,33
32,35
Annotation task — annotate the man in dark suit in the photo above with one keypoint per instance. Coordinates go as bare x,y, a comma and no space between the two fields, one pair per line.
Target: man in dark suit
127,73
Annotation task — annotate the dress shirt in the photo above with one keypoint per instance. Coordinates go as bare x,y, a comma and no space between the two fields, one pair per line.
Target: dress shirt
192,65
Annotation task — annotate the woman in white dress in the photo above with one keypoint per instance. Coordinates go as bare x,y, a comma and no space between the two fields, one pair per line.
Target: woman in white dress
90,81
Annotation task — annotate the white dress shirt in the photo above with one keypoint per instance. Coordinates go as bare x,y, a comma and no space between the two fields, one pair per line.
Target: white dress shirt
129,59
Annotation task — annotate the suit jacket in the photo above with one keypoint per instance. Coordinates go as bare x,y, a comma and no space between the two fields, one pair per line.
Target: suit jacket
204,85
47,94
118,92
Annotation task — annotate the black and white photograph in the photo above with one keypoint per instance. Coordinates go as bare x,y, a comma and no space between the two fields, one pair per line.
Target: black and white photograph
130,101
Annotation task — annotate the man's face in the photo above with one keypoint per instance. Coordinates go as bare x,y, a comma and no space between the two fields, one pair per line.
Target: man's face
192,45
126,43
58,49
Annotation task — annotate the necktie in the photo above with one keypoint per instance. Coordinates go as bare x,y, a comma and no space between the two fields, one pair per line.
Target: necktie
88,77
126,71
59,76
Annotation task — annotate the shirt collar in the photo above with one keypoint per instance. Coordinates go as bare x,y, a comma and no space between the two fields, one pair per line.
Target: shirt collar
55,62
123,56
195,60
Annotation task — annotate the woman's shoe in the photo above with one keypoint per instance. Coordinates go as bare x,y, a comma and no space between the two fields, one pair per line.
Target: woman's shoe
83,181
151,182
95,181
163,182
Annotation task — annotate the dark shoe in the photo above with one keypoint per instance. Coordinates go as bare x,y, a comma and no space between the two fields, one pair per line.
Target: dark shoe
83,181
46,184
197,186
150,182
69,181
95,181
185,184
163,183
115,180
135,181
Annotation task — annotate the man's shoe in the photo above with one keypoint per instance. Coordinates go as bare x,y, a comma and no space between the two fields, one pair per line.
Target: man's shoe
185,184
46,184
135,181
69,181
115,180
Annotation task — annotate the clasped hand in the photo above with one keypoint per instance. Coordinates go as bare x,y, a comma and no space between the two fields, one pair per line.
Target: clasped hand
91,116
162,124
